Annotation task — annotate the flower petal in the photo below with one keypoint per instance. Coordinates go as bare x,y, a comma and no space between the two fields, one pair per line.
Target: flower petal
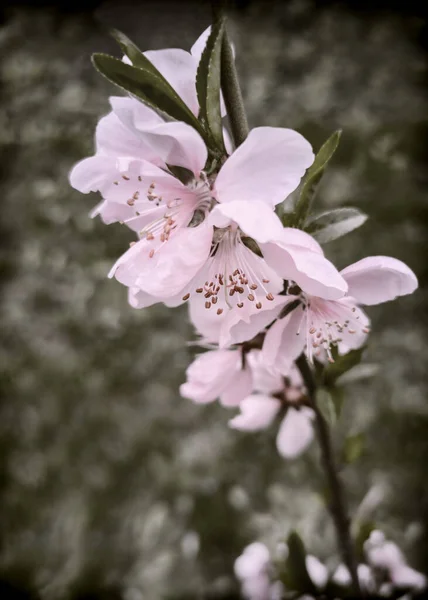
404,576
317,571
267,167
242,324
113,138
257,412
378,279
210,374
239,387
139,299
171,268
255,218
266,380
295,433
179,69
315,274
254,560
285,340
199,46
177,144
92,174
134,114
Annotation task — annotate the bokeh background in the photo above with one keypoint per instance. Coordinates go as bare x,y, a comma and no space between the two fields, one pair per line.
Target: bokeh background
111,485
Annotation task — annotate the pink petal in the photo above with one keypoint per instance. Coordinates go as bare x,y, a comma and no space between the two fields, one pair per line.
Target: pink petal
285,340
267,167
295,433
115,139
404,576
179,69
177,262
256,219
254,560
177,144
139,299
257,412
242,324
378,279
134,114
239,387
317,571
311,271
92,174
210,374
266,380
112,212
206,322
199,46
297,237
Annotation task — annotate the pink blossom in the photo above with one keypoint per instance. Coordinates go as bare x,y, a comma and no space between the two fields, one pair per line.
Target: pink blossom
271,392
318,324
252,568
387,556
243,288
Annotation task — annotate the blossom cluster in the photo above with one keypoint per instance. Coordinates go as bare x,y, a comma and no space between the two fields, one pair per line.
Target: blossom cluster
384,572
208,234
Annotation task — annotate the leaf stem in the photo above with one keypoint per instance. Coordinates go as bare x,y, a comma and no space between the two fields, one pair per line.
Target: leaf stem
337,504
230,83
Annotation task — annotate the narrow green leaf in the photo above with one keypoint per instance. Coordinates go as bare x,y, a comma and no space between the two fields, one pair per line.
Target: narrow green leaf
313,177
147,86
330,225
295,575
362,535
353,448
327,407
358,373
133,52
208,83
338,398
341,364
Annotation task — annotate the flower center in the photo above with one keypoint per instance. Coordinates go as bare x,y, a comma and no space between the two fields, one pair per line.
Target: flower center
329,322
162,213
235,275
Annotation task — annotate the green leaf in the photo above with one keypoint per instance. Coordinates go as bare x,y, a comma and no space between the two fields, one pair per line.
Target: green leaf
358,373
330,225
133,52
146,85
313,177
327,406
341,364
362,535
208,83
295,575
353,448
338,399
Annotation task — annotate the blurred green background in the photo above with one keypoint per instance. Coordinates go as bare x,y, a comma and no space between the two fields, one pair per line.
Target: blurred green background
112,485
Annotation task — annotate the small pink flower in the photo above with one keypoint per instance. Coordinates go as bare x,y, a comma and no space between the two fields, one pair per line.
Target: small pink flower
253,568
259,410
239,290
318,324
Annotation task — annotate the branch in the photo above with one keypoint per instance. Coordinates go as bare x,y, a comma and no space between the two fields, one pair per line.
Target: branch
337,505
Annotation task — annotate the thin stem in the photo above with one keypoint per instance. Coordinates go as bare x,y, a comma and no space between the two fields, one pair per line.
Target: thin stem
337,505
230,83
